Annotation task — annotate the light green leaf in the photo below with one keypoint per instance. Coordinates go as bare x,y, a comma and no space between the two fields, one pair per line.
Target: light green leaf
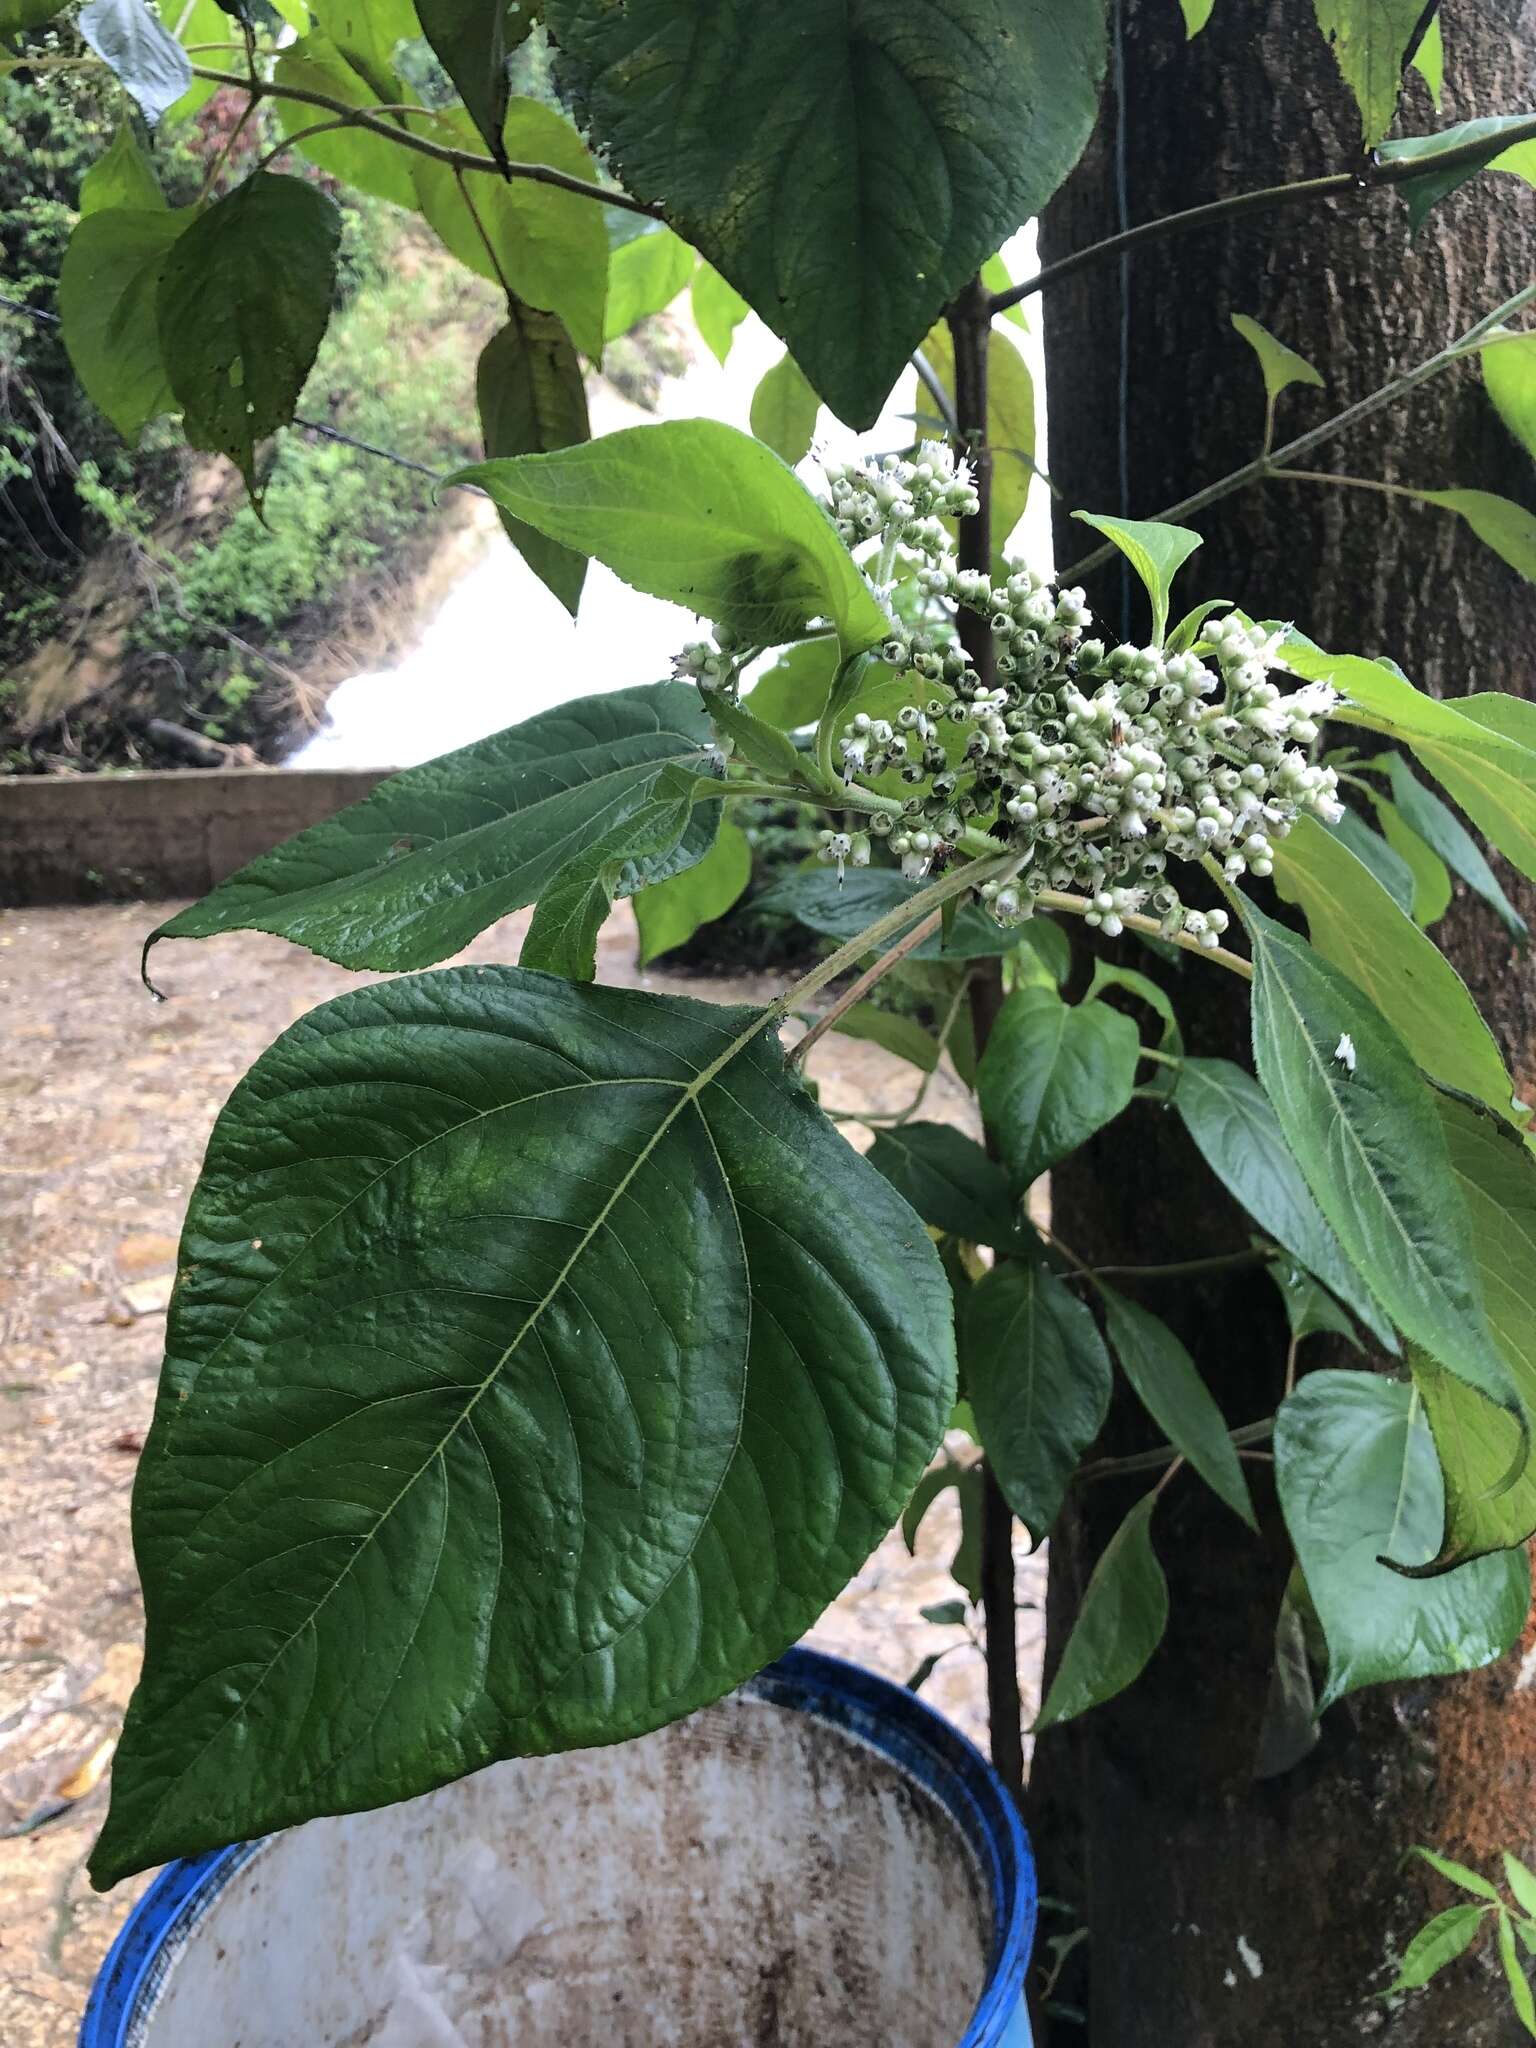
1440,828
370,162
1431,876
784,409
1196,14
1509,375
529,389
1429,59
1238,1135
947,1178
1432,185
1359,1483
122,177
1521,1881
1187,631
1371,1149
1515,1977
1357,925
888,1029
1437,1943
472,40
1053,1073
549,246
1010,423
703,515
1120,1623
995,102
412,873
1499,523
1039,1380
367,32
718,310
1281,366
1164,1379
1156,552
443,1495
108,297
243,303
792,693
645,274
204,27
1370,41
16,15
761,745
669,913
1458,1874
130,38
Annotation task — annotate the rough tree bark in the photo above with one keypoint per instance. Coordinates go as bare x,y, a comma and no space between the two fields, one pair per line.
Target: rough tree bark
1224,1911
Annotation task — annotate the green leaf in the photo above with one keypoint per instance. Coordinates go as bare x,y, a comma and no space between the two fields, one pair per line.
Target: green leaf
122,177
947,1178
1355,924
1431,876
1509,376
1429,59
645,274
1432,185
244,300
1499,523
1373,852
1163,1079
467,1473
1370,1146
1120,1623
1515,1977
966,1480
1010,423
893,1033
16,15
698,513
1238,1136
669,913
784,409
413,872
1458,1874
1440,828
1309,1308
945,1613
1359,1483
108,295
761,745
1154,551
1187,631
547,246
1039,1379
1052,1074
472,40
198,25
531,398
985,105
1370,41
130,38
1437,1943
1196,14
842,909
793,691
718,310
370,162
1521,1881
1164,1379
367,32
1289,1730
1281,366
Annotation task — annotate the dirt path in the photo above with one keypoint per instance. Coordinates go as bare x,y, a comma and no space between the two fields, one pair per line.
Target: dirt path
106,1101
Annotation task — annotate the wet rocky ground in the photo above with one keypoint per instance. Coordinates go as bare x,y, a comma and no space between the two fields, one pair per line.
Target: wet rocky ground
106,1101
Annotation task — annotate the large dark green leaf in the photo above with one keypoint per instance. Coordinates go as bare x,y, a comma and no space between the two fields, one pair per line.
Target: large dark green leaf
1228,1115
948,1180
1119,1623
1355,923
1358,1479
1362,1127
129,36
532,398
473,40
541,1363
881,149
1164,1380
243,303
1038,1377
433,856
1053,1073
108,297
703,515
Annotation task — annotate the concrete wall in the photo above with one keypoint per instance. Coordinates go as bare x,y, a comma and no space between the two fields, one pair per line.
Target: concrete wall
80,839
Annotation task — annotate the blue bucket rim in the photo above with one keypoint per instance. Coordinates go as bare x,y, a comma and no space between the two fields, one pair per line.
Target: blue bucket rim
874,1710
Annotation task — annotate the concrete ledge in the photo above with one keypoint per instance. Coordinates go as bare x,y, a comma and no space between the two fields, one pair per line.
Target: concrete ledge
90,838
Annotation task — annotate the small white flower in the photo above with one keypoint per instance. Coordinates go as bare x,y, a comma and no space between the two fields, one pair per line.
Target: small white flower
1344,1052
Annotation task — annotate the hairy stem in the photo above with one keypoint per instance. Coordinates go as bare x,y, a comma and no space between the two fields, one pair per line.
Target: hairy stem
872,974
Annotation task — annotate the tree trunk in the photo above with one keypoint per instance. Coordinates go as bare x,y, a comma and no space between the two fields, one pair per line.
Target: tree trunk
1225,1911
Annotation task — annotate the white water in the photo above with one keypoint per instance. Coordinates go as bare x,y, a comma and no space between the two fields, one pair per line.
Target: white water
502,648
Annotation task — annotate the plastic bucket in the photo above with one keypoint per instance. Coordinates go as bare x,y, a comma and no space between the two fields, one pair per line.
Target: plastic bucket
818,1861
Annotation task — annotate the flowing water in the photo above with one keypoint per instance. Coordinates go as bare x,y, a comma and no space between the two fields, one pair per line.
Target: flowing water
501,648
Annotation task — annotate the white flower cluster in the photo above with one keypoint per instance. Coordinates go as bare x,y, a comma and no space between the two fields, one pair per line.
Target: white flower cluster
1094,765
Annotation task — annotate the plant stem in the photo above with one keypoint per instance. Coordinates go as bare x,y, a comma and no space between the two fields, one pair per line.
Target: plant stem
872,974
1163,1059
1148,1461
1336,185
1183,1269
1353,483
458,159
1264,466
